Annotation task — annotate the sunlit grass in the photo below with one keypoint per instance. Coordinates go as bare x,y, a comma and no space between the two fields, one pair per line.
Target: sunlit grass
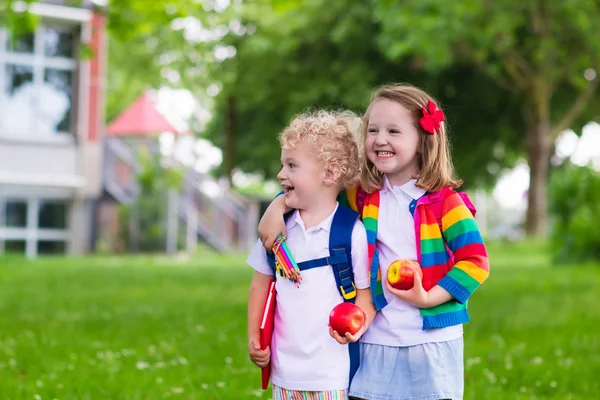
171,327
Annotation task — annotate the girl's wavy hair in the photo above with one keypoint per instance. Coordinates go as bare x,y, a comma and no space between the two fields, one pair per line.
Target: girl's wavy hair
333,136
435,162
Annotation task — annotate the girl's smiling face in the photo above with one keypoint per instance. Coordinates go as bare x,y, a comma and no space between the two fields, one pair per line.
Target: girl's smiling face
392,141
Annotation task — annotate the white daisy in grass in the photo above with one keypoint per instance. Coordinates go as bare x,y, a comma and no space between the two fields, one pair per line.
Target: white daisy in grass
141,365
537,360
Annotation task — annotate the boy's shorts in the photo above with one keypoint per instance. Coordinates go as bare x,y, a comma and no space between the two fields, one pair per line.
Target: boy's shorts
284,394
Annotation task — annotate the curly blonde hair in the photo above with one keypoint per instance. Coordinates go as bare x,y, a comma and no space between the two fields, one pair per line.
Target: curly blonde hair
435,162
333,136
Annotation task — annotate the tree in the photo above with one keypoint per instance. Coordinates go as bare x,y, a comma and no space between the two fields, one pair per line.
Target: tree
16,22
326,54
546,52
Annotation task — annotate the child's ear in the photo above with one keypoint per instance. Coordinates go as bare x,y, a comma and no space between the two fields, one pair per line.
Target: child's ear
332,175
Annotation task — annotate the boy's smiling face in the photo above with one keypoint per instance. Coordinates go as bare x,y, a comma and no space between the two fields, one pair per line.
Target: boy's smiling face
301,176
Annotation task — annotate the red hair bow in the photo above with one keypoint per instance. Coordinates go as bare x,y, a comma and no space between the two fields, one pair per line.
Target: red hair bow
431,120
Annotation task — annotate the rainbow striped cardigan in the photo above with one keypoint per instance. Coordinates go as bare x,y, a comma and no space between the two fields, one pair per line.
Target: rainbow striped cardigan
454,257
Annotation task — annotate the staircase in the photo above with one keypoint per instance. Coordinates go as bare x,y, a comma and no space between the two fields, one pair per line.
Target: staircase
225,222
122,187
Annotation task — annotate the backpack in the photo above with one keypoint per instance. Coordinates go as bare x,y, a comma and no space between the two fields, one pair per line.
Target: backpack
340,259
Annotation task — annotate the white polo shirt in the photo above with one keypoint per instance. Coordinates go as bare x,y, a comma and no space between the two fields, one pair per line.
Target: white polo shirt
400,323
303,355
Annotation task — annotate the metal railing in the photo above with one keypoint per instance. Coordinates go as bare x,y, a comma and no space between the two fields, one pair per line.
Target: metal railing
225,222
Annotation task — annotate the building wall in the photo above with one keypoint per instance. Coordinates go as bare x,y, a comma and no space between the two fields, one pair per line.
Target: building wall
51,125
84,3
40,163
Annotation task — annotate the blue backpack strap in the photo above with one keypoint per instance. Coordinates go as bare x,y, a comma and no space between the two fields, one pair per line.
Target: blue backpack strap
321,262
271,261
340,250
340,255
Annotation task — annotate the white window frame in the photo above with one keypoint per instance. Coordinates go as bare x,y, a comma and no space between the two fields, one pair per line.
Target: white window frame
54,11
32,233
40,63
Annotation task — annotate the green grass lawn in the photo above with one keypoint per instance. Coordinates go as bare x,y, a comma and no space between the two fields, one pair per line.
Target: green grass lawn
162,328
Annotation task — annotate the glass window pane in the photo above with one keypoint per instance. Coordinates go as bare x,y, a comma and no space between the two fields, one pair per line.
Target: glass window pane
51,247
18,100
15,214
18,78
52,215
58,42
56,104
20,43
14,246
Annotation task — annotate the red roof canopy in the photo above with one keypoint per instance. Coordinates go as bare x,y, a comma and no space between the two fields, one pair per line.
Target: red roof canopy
141,118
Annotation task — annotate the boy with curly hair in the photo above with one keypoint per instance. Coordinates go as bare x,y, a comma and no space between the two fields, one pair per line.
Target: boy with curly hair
320,158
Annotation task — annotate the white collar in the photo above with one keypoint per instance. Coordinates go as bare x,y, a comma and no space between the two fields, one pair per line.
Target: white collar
296,219
409,188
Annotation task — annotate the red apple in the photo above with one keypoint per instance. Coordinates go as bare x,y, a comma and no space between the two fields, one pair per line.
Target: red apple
401,274
347,317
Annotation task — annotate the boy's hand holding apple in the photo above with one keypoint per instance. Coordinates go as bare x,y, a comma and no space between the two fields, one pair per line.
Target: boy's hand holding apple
347,323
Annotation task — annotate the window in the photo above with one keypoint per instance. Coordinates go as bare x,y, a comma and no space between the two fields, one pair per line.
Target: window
52,214
34,226
15,214
14,246
50,247
36,81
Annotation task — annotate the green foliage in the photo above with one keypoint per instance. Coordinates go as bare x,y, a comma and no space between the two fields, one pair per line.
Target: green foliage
323,54
125,226
149,210
258,190
574,206
19,23
147,51
524,39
